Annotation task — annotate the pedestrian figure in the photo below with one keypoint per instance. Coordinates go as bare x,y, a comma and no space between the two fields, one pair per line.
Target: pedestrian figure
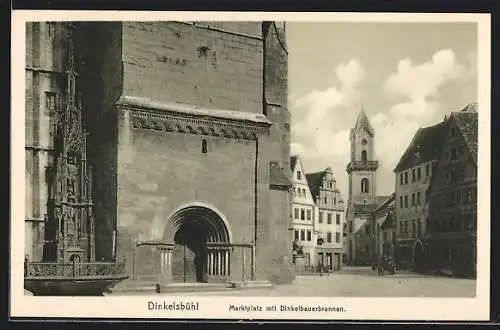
380,266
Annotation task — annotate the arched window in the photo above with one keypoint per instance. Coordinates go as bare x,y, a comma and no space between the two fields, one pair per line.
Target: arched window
364,156
365,185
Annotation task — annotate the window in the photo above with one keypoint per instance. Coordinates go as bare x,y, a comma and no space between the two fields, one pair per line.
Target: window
329,219
461,196
427,170
413,199
302,214
308,214
426,196
304,193
384,234
414,227
296,232
302,235
418,198
51,27
401,228
401,181
50,100
337,237
364,156
325,200
419,173
329,237
308,235
204,146
334,200
320,217
406,177
453,154
470,197
299,175
406,201
401,205
367,230
364,185
296,213
337,219
413,176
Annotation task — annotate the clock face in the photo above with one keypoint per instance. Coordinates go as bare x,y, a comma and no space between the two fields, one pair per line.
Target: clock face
364,142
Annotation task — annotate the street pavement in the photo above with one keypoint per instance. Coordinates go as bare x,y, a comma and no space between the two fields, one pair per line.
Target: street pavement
361,282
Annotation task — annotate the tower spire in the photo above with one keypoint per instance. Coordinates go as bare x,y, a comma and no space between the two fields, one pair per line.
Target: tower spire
362,122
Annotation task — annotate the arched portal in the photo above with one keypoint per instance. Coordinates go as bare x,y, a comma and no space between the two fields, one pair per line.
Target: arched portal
201,244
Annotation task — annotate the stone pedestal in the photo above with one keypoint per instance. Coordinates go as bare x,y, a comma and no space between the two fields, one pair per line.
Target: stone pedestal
299,262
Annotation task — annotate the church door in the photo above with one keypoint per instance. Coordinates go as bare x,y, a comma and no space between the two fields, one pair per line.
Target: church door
189,256
183,264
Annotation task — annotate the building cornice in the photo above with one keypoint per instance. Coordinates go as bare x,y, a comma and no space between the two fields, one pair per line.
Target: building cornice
362,166
151,115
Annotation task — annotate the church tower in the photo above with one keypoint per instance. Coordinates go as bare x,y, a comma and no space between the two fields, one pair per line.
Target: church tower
362,168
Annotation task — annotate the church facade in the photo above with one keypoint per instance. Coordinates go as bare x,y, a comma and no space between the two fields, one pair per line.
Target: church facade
188,145
363,199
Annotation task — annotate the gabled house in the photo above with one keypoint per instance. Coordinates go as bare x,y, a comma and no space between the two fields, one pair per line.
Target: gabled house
329,219
303,211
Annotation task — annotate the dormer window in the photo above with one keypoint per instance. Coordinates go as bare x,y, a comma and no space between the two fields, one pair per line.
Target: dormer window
299,175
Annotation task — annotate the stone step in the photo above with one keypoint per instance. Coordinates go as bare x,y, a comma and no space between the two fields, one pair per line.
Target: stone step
251,284
151,286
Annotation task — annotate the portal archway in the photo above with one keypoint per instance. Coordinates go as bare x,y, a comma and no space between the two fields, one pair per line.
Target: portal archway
200,238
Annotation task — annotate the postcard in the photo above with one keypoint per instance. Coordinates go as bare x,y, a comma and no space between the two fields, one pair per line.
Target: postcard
216,165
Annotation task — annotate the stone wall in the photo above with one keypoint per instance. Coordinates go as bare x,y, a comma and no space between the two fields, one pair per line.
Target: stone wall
160,172
192,65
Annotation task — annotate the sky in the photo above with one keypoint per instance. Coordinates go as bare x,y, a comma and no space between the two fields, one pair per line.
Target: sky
404,75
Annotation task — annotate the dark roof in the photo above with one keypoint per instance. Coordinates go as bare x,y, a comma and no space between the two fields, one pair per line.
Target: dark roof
424,146
384,201
471,107
277,179
368,208
467,123
315,180
390,220
293,161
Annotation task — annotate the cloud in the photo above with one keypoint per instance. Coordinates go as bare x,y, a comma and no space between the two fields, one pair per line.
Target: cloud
322,119
419,86
418,82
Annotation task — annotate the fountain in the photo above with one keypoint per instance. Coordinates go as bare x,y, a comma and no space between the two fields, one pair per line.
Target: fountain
69,266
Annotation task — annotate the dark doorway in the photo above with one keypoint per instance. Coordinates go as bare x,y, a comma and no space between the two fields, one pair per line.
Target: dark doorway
201,251
189,254
419,258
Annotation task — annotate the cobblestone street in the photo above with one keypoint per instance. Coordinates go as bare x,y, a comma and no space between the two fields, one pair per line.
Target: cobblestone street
364,282
352,282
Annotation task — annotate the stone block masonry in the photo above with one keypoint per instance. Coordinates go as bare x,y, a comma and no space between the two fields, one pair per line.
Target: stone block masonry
192,65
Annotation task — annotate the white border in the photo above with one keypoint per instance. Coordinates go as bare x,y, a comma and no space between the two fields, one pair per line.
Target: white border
356,308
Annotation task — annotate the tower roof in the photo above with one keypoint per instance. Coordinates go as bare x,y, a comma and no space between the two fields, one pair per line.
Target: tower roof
363,123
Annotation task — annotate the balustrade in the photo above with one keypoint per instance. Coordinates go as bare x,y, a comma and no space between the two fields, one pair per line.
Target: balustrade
72,270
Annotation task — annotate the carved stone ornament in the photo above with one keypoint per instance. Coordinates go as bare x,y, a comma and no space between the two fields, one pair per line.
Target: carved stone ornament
200,124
